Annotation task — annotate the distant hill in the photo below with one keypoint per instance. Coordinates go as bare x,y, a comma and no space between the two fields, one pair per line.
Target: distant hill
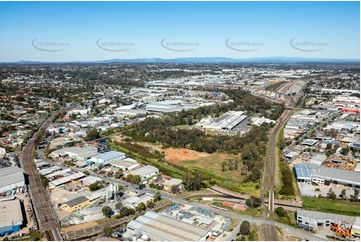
205,60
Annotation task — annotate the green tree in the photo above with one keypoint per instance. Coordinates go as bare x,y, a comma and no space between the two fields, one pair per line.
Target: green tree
118,174
107,211
108,231
36,235
157,197
94,186
150,204
175,189
44,181
224,165
332,195
343,193
136,179
345,151
245,228
118,206
141,207
92,134
281,212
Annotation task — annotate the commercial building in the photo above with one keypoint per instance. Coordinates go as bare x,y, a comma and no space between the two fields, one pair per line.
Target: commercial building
163,228
168,184
309,142
66,179
11,178
168,106
76,204
306,172
133,202
107,158
226,122
127,164
312,219
145,172
11,217
77,153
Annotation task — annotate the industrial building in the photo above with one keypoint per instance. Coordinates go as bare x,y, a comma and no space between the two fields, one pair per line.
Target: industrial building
127,164
226,122
168,106
309,142
306,172
11,178
163,228
312,219
107,158
145,172
134,201
11,217
168,184
66,179
76,204
77,153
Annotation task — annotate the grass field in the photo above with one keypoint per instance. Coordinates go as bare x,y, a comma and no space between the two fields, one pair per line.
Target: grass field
208,166
289,219
331,206
211,166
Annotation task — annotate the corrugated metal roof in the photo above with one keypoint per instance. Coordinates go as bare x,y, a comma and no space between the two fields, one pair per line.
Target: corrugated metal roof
11,175
162,227
109,155
320,215
308,170
66,179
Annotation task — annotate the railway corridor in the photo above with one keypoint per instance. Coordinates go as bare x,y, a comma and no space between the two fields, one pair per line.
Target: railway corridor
45,215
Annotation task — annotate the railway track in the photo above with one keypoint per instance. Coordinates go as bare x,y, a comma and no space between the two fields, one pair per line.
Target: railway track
46,218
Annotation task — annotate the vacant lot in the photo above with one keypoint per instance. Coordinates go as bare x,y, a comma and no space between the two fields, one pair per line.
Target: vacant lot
331,206
208,165
176,155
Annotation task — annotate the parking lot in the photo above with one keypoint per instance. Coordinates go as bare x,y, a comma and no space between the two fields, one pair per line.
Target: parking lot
309,190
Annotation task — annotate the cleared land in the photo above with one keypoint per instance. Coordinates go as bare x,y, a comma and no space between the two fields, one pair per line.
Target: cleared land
331,206
179,160
177,155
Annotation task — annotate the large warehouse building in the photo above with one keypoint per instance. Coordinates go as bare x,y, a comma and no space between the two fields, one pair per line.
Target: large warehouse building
11,178
226,122
107,158
11,217
306,172
78,153
163,228
312,219
168,106
145,171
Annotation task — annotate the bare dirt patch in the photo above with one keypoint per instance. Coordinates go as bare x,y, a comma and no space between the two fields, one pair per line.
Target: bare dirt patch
79,227
172,154
176,155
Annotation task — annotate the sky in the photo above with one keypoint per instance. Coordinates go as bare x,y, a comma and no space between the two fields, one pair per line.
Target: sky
90,31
